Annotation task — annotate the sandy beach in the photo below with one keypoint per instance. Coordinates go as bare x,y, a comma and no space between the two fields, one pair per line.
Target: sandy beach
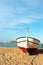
15,56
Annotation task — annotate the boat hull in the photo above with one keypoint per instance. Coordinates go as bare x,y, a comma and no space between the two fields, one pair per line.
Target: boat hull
30,44
28,49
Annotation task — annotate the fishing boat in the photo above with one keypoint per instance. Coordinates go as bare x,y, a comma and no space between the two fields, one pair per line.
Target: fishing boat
27,43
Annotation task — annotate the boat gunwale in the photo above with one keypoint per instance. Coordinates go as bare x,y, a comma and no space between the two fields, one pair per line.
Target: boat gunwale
29,37
29,41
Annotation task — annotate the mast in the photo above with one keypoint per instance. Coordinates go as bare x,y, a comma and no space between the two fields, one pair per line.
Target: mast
26,39
26,32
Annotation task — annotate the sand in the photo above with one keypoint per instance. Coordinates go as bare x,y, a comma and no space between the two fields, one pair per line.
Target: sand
15,56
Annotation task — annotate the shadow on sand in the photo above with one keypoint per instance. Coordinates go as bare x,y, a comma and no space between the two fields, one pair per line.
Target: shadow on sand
36,52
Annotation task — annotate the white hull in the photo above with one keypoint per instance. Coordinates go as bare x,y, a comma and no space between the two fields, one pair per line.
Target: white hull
29,43
23,44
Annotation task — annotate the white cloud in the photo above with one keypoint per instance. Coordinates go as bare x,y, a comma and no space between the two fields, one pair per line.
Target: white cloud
12,16
11,24
36,16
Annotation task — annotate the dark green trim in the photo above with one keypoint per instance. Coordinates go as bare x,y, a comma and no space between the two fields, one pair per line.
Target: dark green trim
29,37
28,41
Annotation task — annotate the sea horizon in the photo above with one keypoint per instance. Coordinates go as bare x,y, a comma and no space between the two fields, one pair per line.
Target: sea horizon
14,44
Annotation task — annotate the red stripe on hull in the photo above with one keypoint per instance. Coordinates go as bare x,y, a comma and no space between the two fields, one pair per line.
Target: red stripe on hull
28,49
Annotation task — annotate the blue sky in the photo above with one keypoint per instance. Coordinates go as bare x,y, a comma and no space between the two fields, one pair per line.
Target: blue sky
16,15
